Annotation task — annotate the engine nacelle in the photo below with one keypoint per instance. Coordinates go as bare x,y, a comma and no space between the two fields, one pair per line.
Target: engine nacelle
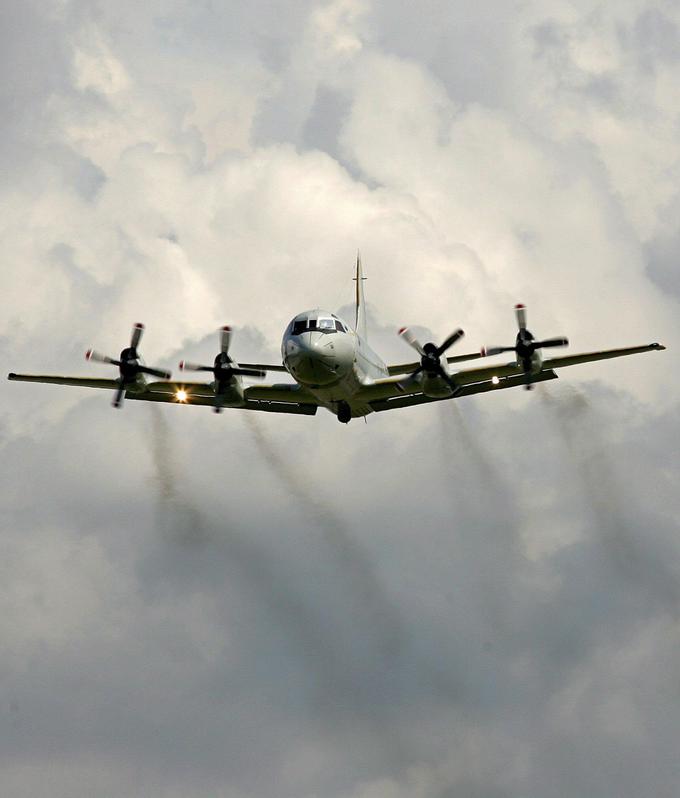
531,364
229,394
436,388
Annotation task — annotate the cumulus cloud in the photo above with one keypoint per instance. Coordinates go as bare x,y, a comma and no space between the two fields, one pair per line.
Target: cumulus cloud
478,599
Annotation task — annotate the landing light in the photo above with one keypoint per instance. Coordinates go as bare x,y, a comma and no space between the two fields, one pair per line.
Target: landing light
495,380
181,395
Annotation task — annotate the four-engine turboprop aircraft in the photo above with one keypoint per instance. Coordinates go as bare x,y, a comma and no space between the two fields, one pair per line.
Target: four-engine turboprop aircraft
333,367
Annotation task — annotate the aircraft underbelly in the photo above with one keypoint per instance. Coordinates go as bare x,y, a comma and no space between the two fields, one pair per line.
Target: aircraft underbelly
347,391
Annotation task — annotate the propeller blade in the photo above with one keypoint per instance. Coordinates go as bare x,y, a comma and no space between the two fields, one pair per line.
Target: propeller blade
521,313
450,341
411,340
118,396
551,342
248,372
97,357
163,375
137,331
188,366
225,338
488,351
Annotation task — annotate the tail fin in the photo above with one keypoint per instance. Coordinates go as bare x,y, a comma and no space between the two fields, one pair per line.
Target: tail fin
360,317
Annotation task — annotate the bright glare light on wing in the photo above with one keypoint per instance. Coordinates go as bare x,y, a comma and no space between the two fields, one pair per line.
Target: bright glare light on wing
495,380
181,395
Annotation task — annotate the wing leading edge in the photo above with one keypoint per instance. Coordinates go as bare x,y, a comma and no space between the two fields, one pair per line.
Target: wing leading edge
283,398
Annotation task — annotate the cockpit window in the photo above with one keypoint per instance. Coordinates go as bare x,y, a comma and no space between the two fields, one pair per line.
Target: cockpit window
324,325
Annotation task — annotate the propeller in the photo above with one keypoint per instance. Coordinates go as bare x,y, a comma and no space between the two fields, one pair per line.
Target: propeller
430,357
224,369
525,344
128,364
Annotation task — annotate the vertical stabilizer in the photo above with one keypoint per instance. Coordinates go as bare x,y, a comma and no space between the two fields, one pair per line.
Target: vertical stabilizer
360,315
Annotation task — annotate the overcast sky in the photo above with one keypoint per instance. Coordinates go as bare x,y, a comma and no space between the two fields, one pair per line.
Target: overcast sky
475,599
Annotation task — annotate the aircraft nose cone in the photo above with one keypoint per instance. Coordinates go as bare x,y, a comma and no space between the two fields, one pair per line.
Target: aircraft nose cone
317,358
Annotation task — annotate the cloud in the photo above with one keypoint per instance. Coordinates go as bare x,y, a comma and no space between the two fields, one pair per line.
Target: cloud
478,599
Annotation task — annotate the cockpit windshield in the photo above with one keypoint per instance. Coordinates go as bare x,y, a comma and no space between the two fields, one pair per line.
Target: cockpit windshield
322,325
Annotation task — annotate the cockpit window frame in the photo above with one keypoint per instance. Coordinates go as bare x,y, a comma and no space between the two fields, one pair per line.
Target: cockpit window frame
330,325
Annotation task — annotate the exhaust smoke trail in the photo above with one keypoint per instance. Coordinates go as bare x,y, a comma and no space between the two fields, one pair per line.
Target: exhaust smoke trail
179,516
461,446
340,691
618,515
189,526
363,588
484,515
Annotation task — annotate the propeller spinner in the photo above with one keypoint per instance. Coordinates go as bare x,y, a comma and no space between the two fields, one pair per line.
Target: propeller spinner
224,369
525,345
430,357
128,364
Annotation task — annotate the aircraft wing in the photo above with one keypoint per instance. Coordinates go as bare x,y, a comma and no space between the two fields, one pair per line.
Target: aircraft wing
82,382
284,398
395,400
587,357
468,376
387,394
407,368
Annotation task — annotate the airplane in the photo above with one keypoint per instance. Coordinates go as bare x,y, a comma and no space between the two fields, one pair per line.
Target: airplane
333,367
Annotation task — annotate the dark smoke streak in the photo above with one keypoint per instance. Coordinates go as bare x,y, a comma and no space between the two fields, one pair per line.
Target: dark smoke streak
363,590
617,512
340,691
484,517
179,516
184,524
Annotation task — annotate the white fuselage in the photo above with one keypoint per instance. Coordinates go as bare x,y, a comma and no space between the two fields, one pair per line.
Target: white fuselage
334,363
327,357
